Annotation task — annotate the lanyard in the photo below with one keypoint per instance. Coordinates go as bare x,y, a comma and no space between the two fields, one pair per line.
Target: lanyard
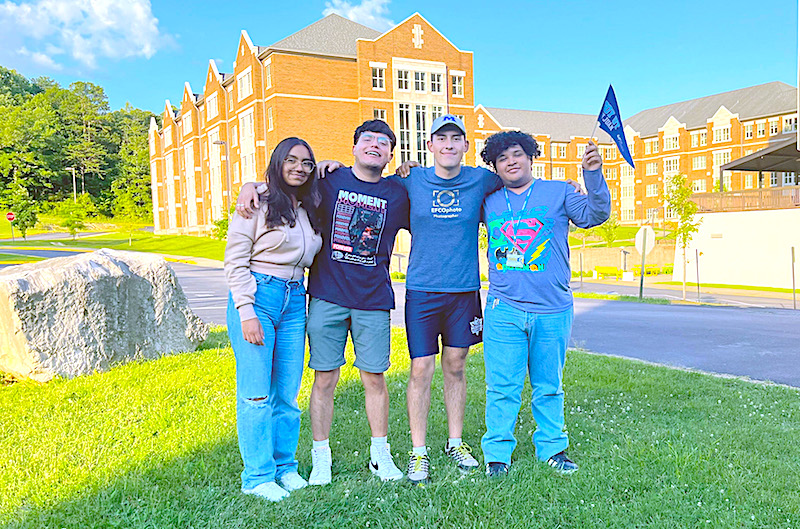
521,212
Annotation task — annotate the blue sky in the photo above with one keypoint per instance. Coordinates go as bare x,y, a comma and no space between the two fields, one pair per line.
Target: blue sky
555,56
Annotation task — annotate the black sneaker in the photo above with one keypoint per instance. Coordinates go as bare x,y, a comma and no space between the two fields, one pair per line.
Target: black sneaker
562,464
496,470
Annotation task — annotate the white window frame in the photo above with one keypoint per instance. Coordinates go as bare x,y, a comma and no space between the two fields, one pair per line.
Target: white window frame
651,190
457,83
436,83
379,113
699,185
559,173
270,119
212,107
672,165
748,131
244,83
651,168
268,72
403,83
699,162
722,134
378,76
419,82
672,143
773,126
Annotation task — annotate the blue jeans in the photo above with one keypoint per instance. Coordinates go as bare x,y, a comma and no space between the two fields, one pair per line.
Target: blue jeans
516,342
268,380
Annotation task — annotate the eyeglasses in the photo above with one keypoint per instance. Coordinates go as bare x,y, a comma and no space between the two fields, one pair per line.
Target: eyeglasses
307,165
382,141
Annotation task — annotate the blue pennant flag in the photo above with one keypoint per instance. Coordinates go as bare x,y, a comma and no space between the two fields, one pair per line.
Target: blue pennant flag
611,123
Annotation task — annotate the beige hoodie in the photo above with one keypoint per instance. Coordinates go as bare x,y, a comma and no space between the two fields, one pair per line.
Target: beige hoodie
282,252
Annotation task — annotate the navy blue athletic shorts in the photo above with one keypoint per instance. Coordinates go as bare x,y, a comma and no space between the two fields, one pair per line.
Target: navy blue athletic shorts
456,316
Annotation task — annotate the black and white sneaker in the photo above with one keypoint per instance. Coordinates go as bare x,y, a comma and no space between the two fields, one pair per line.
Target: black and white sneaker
418,466
496,469
562,464
462,456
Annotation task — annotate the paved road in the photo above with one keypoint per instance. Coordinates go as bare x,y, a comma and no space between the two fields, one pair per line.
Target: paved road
762,343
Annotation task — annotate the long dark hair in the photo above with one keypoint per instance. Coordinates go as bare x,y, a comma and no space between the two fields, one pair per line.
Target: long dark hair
280,209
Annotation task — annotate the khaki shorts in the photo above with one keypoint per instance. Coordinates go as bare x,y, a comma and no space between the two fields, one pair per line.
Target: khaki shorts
327,328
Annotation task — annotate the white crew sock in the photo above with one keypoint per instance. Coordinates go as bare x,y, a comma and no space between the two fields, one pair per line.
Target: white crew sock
420,450
453,442
325,443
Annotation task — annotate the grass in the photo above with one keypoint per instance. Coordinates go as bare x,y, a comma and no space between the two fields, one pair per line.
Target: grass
142,241
621,297
733,287
10,258
5,229
153,445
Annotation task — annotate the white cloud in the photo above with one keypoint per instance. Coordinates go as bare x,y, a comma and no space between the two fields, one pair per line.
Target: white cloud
42,59
84,29
372,13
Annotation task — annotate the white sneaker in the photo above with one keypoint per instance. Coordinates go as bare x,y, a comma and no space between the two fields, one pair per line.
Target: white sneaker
269,491
293,481
382,465
321,461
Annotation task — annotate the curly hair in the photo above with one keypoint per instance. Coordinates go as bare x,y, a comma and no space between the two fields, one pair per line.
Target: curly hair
497,143
279,203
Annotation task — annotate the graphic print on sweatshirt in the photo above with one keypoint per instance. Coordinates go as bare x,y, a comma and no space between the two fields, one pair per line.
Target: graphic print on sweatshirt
358,222
521,243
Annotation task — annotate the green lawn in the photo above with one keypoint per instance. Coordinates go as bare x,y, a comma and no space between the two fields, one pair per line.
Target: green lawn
153,445
10,258
621,297
141,241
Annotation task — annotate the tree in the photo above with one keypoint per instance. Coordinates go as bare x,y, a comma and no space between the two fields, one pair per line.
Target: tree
679,195
608,230
17,199
131,189
73,213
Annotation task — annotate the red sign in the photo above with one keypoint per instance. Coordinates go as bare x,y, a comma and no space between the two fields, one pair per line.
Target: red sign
10,216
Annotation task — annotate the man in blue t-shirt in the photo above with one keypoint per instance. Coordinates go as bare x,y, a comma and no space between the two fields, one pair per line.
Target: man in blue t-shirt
443,286
351,292
528,316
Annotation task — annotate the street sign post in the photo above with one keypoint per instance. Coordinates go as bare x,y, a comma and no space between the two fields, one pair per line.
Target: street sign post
644,242
10,216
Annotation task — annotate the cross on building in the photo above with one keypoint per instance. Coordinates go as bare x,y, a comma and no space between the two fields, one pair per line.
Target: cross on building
417,40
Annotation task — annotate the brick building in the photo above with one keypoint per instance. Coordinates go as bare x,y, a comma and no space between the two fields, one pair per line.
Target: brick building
322,81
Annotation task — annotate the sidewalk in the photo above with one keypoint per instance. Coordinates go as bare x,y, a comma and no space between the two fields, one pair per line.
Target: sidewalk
653,282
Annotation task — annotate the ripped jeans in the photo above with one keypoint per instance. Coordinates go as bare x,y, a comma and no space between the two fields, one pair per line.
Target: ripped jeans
268,380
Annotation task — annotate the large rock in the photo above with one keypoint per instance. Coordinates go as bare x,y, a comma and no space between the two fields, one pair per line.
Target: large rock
75,315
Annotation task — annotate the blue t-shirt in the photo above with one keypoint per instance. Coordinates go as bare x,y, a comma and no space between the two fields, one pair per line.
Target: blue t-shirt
528,246
359,221
444,228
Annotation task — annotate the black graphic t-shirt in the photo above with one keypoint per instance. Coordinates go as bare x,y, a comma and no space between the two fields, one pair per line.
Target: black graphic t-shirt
359,222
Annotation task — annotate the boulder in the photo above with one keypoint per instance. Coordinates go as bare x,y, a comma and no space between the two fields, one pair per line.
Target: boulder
75,315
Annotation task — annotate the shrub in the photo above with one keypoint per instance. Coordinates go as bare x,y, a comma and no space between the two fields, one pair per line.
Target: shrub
397,275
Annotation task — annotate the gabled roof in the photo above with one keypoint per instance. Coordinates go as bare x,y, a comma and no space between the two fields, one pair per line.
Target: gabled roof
559,126
749,103
332,35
